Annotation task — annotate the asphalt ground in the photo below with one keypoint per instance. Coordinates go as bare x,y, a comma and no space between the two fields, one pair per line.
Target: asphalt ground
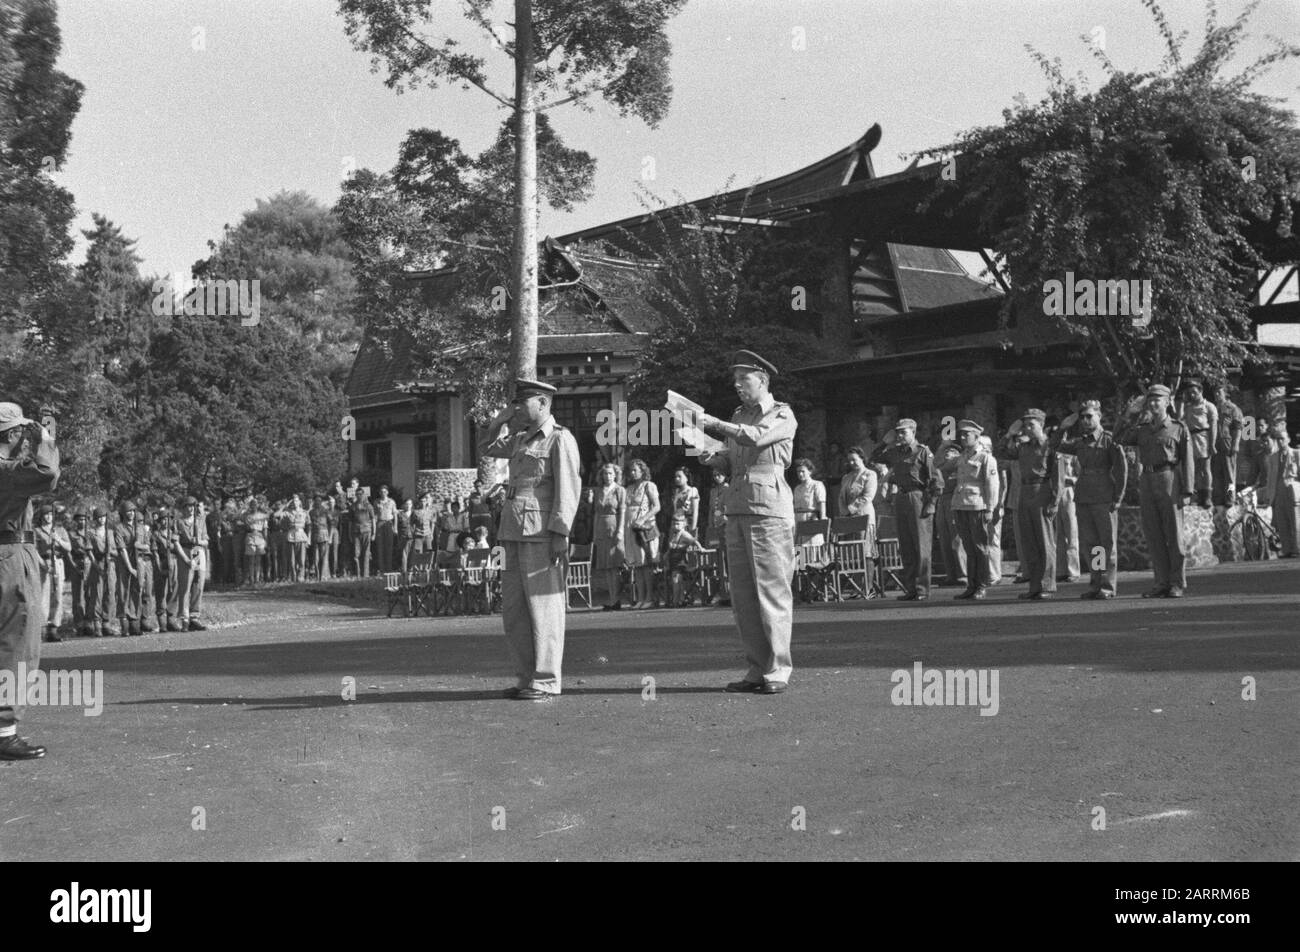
237,743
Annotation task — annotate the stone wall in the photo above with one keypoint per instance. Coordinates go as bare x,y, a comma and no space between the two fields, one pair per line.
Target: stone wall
445,482
1204,538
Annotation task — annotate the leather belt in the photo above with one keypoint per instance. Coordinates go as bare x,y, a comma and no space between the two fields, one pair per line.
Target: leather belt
17,538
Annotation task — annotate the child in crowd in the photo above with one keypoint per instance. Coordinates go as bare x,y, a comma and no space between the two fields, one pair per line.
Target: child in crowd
680,543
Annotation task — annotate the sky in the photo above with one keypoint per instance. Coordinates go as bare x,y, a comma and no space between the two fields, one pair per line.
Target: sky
194,109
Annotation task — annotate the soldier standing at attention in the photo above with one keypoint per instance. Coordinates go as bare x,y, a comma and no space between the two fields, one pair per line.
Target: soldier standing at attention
1103,471
1168,479
1227,443
103,546
1030,448
167,559
29,465
192,533
535,524
385,530
913,471
760,522
126,572
52,545
79,537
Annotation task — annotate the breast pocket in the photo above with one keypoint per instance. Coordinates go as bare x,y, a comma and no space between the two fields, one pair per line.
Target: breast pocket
762,489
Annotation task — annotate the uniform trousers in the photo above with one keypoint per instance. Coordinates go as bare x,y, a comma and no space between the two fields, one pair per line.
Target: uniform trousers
21,616
1098,535
951,543
1162,524
1067,534
361,552
1223,470
384,537
79,578
533,604
189,587
52,591
760,560
1286,514
166,592
915,539
100,610
995,551
1038,547
126,592
973,532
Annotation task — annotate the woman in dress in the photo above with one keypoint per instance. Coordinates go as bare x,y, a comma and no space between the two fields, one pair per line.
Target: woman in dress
686,499
296,517
608,528
254,542
857,498
809,497
641,538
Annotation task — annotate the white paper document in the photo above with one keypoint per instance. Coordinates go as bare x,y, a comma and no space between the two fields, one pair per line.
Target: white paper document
687,412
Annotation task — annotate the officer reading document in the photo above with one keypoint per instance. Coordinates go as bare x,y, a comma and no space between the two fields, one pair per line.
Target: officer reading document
540,504
760,522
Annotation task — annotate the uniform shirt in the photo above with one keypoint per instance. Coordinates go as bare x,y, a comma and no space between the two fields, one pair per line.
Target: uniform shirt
760,442
363,515
320,524
52,540
1202,421
124,541
1103,468
102,544
20,479
165,539
911,468
386,510
192,532
1231,423
1036,460
975,481
544,481
948,470
1162,445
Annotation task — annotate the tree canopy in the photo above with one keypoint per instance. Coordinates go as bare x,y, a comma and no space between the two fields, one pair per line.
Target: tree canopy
1164,176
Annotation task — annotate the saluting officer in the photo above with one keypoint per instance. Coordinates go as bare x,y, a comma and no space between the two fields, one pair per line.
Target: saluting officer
1103,472
920,484
760,522
1033,453
535,524
29,465
1168,479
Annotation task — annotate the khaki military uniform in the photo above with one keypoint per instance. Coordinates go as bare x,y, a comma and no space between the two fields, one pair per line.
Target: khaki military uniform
1168,475
21,614
191,577
1103,472
166,578
1036,460
760,534
542,500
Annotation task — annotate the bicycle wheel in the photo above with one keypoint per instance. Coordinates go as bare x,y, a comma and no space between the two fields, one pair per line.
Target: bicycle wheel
1254,540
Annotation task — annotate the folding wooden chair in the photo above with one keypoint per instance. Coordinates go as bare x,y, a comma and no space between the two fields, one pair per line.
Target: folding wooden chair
709,576
496,564
474,596
395,590
852,542
889,562
578,581
814,577
418,587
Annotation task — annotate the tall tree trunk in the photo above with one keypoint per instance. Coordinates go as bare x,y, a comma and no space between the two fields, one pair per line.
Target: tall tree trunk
523,279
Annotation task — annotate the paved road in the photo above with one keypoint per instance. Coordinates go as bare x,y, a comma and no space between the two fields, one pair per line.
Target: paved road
1133,706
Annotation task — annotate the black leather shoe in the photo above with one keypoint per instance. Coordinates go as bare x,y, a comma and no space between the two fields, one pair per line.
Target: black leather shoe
1026,596
1156,593
14,747
969,593
196,625
908,597
1174,593
175,626
511,694
772,687
978,595
743,687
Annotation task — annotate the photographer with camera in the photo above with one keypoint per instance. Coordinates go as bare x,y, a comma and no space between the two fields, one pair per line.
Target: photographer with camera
29,465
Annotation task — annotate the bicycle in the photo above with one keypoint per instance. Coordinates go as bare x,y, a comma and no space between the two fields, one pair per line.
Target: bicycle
1259,540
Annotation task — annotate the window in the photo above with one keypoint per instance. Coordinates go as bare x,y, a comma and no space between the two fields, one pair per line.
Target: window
427,452
379,455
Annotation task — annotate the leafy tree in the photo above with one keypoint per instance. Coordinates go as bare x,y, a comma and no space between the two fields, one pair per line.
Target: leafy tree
562,51
293,246
721,290
1171,176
